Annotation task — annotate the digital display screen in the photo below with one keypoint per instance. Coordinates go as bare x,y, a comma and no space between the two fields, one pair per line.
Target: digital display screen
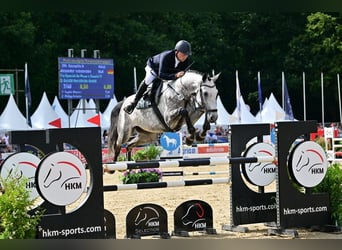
85,78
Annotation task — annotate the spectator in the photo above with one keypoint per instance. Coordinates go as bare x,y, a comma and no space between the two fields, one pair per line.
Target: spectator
211,138
104,138
5,140
219,130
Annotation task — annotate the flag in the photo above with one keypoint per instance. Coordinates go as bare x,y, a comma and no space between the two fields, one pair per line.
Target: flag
95,120
287,103
27,97
259,93
56,123
238,95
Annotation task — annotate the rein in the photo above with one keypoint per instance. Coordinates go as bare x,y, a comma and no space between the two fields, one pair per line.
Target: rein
197,105
181,96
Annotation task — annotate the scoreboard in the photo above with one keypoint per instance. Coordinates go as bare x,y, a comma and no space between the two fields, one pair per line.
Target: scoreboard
85,78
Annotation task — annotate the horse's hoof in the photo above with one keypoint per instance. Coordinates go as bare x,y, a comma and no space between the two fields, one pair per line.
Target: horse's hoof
188,141
199,137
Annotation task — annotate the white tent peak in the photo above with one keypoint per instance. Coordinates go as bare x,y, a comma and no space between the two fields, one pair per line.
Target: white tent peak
105,116
224,118
57,107
84,111
44,114
11,118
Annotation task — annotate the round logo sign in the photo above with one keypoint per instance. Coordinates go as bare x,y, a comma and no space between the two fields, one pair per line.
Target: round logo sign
308,163
260,173
170,141
20,165
61,178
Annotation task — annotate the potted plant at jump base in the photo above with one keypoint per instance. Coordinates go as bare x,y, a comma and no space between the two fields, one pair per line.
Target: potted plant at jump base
143,175
16,221
332,184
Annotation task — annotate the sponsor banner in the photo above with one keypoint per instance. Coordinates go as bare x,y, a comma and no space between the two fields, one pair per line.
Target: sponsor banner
187,150
202,150
212,148
206,150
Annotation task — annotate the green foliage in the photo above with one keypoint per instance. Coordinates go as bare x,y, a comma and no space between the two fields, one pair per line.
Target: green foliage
122,157
221,41
320,141
141,175
332,184
151,152
15,203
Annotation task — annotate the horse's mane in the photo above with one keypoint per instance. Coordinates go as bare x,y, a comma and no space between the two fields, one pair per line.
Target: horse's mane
195,72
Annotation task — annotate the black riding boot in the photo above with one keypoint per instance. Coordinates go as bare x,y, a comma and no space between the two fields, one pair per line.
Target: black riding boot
141,90
155,84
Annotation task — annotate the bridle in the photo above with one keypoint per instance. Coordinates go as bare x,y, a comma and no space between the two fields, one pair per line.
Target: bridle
202,107
197,105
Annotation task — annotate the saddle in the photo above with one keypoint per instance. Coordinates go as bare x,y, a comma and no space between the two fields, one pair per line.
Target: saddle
151,94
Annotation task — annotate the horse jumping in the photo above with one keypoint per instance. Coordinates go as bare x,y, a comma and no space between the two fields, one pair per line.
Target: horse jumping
182,101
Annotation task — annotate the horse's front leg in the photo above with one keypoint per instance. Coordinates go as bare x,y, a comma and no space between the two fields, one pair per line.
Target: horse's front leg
200,136
191,129
189,139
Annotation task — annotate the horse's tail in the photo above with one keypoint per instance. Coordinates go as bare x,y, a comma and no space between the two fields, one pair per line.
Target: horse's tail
113,132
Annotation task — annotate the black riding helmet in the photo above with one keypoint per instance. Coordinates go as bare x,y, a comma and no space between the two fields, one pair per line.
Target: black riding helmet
184,47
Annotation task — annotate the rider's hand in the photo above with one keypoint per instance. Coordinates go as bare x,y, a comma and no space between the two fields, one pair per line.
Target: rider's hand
180,74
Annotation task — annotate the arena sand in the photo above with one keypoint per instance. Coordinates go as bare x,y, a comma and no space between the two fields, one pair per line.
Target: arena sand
217,195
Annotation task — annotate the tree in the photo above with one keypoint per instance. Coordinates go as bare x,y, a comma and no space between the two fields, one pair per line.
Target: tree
318,49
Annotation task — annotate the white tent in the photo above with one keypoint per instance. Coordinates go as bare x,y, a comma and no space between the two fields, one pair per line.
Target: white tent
246,116
91,104
105,116
224,118
11,117
271,111
279,111
44,116
80,116
56,106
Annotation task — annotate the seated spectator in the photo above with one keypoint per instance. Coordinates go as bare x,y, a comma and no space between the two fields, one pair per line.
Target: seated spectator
219,130
211,138
5,140
104,138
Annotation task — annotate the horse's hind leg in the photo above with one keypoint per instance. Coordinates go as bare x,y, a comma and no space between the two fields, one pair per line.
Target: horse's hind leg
116,154
141,137
129,154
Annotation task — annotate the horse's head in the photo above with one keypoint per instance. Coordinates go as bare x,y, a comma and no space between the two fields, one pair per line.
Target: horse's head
206,97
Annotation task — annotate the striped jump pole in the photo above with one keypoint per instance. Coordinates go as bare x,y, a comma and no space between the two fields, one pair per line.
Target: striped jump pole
180,183
182,173
186,163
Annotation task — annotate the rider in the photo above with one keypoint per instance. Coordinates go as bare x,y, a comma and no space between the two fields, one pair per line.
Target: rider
168,65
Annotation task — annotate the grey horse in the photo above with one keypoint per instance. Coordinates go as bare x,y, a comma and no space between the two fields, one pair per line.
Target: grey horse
182,101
